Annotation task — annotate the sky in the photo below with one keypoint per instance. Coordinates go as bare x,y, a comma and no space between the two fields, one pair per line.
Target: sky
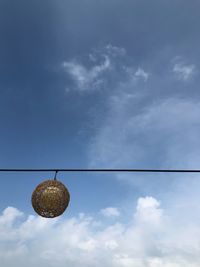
101,84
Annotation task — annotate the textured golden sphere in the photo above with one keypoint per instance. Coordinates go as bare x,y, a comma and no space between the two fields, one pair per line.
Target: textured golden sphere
50,199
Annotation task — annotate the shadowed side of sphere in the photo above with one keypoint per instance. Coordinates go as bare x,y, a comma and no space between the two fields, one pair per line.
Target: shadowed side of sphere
50,199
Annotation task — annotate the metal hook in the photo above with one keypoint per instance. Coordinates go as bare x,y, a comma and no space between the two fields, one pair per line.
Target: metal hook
55,175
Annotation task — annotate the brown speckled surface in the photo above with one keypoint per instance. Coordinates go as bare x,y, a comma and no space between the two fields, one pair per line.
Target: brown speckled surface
50,199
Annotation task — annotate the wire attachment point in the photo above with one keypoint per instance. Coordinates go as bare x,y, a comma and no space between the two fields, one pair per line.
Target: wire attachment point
55,175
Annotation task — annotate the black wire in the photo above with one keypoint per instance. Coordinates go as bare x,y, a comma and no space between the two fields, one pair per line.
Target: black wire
102,170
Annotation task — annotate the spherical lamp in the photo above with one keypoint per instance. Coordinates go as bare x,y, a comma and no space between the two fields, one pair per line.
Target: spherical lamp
50,199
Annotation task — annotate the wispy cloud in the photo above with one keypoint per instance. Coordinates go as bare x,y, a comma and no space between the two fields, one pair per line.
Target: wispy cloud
143,121
147,124
87,79
100,63
136,74
115,50
110,212
140,73
183,71
105,64
138,136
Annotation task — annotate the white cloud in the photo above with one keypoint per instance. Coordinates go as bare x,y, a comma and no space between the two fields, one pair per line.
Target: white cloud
133,138
108,64
136,74
110,212
149,238
10,214
183,71
140,73
87,79
115,50
93,77
148,211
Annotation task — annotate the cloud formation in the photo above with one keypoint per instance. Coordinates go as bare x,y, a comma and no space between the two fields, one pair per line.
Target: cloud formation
148,238
184,72
141,73
87,79
133,138
105,66
146,117
110,212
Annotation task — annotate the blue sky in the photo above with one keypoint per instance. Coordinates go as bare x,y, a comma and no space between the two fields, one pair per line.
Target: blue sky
106,84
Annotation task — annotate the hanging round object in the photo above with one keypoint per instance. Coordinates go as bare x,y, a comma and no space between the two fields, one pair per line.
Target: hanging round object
50,199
